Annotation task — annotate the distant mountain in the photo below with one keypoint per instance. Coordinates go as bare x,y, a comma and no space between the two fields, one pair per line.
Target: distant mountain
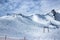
56,15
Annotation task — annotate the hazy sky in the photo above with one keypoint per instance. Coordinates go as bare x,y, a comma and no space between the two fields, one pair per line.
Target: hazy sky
28,6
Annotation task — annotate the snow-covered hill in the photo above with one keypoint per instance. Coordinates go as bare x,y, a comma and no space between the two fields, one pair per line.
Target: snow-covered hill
32,27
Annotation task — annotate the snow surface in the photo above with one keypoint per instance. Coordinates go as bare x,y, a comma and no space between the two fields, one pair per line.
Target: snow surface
31,27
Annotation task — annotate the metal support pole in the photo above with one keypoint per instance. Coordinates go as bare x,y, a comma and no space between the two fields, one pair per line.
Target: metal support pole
5,37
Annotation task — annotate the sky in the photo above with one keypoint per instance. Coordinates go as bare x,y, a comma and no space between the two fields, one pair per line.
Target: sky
28,7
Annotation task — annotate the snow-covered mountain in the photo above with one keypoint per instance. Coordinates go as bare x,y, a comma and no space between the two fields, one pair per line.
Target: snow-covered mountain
32,27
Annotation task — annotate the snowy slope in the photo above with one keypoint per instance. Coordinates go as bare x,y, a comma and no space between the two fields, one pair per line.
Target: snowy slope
15,23
31,27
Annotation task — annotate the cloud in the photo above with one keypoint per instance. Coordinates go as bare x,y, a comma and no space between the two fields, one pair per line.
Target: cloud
28,7
47,5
